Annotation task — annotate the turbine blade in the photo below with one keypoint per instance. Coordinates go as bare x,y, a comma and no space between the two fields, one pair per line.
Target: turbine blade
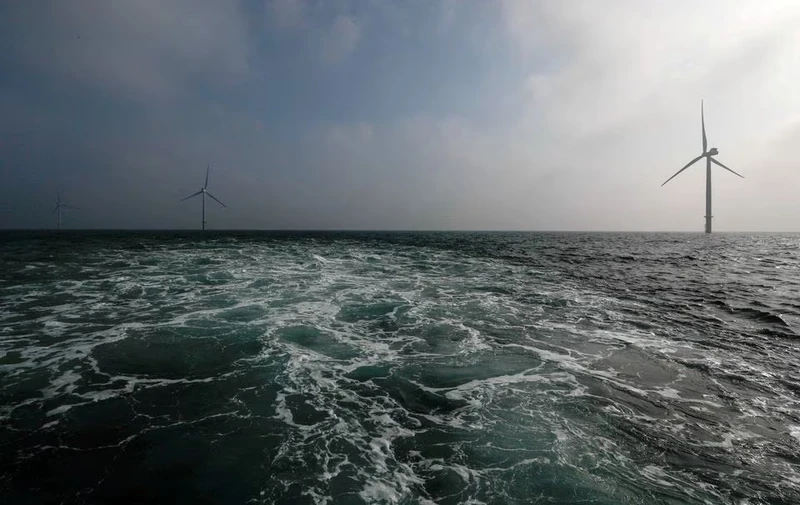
192,196
684,168
67,206
212,196
726,168
703,123
208,167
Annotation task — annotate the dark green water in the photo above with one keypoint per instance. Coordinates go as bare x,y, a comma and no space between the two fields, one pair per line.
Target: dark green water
399,368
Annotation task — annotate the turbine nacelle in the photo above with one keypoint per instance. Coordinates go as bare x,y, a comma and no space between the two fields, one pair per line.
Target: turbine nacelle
713,151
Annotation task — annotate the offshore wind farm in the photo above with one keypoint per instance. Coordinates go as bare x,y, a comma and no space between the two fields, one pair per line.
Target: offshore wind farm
413,293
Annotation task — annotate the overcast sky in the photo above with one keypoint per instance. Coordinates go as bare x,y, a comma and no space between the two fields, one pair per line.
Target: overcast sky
405,114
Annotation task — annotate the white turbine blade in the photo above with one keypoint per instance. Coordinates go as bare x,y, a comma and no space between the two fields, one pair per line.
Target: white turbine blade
703,123
208,167
684,168
67,206
212,196
56,207
726,168
192,196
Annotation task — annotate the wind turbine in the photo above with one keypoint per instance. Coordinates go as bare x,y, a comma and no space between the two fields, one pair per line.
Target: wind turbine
708,155
204,191
59,207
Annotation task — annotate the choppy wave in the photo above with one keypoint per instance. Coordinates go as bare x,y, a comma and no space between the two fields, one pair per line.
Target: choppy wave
400,368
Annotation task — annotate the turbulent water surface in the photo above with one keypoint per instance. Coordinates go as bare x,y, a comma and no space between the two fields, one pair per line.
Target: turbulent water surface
399,368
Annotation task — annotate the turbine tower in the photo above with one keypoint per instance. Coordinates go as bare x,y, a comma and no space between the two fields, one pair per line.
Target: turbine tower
60,206
204,191
708,155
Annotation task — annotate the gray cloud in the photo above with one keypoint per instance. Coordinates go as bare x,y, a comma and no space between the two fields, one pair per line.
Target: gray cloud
146,49
599,104
341,39
287,14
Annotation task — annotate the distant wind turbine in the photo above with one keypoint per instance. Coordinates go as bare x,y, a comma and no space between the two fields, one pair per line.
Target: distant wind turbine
707,154
60,206
204,191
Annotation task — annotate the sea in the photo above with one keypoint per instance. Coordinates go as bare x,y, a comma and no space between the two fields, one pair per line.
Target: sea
399,368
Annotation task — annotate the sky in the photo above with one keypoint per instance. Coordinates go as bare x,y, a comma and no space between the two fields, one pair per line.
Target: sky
399,114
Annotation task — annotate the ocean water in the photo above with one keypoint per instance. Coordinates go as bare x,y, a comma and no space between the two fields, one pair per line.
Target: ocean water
408,368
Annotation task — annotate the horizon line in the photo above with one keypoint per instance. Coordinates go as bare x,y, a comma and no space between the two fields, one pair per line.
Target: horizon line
376,230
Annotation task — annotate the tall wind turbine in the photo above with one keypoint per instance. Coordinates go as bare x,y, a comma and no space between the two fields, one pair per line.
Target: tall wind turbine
708,155
60,206
204,191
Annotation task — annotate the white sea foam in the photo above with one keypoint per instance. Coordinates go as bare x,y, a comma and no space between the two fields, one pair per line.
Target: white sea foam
547,373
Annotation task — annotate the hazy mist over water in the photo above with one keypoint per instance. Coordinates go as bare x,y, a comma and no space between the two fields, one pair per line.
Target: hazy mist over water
399,368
